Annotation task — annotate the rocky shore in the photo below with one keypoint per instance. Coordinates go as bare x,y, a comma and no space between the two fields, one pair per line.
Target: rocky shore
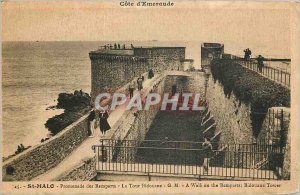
74,104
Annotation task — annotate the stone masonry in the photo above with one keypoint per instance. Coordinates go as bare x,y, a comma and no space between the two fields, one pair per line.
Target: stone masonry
112,68
86,171
210,51
232,116
39,159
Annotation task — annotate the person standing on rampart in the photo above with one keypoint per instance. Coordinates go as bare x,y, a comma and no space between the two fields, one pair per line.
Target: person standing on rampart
247,54
208,151
91,119
103,123
131,89
150,74
140,83
174,89
260,62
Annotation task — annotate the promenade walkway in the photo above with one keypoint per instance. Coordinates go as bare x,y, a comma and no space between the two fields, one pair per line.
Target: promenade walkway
279,76
84,151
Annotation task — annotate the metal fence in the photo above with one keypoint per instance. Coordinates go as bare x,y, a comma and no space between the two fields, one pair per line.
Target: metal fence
227,161
275,74
277,128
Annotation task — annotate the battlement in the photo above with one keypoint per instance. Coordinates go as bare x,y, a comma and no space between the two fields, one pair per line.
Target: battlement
212,45
112,66
119,52
137,51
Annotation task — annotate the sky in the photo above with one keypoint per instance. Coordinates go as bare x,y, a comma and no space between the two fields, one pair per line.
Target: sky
265,26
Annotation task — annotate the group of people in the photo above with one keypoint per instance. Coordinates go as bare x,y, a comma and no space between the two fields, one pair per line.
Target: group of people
132,85
20,149
248,54
260,59
139,82
116,46
98,119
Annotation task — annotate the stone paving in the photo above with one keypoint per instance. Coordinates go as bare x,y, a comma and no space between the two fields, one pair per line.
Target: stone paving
84,151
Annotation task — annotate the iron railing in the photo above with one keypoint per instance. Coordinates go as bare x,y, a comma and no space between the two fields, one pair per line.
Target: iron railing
277,128
227,161
275,74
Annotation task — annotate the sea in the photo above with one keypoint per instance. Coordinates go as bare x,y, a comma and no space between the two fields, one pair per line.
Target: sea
34,73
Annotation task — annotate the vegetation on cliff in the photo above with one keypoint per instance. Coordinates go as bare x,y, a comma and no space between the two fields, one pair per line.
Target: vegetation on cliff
251,88
74,104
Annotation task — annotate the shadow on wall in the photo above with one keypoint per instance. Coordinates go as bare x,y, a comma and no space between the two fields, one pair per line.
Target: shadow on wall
250,88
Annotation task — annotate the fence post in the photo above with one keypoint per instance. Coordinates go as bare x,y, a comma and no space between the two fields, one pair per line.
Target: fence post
281,131
104,152
271,73
285,79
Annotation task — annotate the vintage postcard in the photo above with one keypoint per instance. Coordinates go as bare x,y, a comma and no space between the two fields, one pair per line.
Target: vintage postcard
150,97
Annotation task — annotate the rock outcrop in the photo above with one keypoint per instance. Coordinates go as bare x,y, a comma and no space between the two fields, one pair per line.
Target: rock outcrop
75,104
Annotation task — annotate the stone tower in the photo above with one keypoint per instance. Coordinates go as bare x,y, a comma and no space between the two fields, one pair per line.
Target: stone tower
113,68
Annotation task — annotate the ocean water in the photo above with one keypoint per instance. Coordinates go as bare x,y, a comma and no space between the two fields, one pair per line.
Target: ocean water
34,73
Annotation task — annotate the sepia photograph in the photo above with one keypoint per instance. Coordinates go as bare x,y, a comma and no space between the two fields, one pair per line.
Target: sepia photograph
118,96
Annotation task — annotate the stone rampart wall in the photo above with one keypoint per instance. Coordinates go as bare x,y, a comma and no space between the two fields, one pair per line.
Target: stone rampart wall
109,71
162,58
232,116
37,160
84,172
